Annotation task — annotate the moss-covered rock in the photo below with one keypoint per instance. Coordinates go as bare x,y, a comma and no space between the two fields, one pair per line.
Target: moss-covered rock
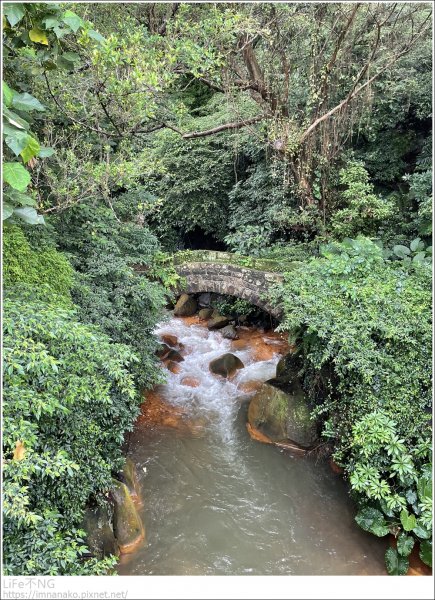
217,321
186,306
127,525
100,538
130,478
226,365
205,313
283,415
289,366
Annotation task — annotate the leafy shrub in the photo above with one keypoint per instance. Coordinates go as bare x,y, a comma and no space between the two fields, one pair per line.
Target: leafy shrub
25,265
235,307
250,239
69,397
417,251
363,212
109,293
363,327
194,189
397,482
420,191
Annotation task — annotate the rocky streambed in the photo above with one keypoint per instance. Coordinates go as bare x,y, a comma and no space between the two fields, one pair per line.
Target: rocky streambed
214,500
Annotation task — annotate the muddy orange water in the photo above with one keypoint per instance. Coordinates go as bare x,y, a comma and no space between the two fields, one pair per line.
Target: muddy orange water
216,501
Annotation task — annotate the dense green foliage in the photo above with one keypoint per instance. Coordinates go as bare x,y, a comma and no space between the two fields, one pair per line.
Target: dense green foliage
362,324
29,267
65,386
275,131
126,306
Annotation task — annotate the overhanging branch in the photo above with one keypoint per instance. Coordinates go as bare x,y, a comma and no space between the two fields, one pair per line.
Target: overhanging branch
225,127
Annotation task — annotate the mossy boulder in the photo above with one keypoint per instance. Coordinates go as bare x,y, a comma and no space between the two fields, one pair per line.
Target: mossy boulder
205,313
130,477
226,365
217,321
100,538
288,367
283,415
127,524
186,306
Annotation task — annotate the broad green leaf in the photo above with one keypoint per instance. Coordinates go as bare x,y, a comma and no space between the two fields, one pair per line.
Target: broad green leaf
64,64
408,520
14,119
7,211
411,496
424,488
61,30
419,257
372,520
422,532
16,176
26,102
8,94
396,564
31,150
426,552
405,544
38,36
17,141
414,244
401,251
45,152
14,13
28,215
72,20
71,56
96,36
17,198
50,22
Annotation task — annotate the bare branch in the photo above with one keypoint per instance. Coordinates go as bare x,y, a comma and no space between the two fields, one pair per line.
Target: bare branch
357,90
235,125
62,109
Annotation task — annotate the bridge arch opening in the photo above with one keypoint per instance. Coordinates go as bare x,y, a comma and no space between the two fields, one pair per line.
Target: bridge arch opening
251,285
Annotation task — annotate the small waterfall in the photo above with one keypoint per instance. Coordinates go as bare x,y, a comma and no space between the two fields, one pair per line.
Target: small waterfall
216,399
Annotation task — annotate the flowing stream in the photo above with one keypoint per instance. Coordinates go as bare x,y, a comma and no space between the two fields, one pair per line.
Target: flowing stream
216,502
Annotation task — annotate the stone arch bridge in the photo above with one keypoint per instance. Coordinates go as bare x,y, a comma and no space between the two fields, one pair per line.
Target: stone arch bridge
226,273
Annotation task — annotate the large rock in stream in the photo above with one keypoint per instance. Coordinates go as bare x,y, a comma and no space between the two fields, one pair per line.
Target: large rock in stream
217,322
100,538
130,477
127,525
229,332
205,313
186,306
282,416
226,365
